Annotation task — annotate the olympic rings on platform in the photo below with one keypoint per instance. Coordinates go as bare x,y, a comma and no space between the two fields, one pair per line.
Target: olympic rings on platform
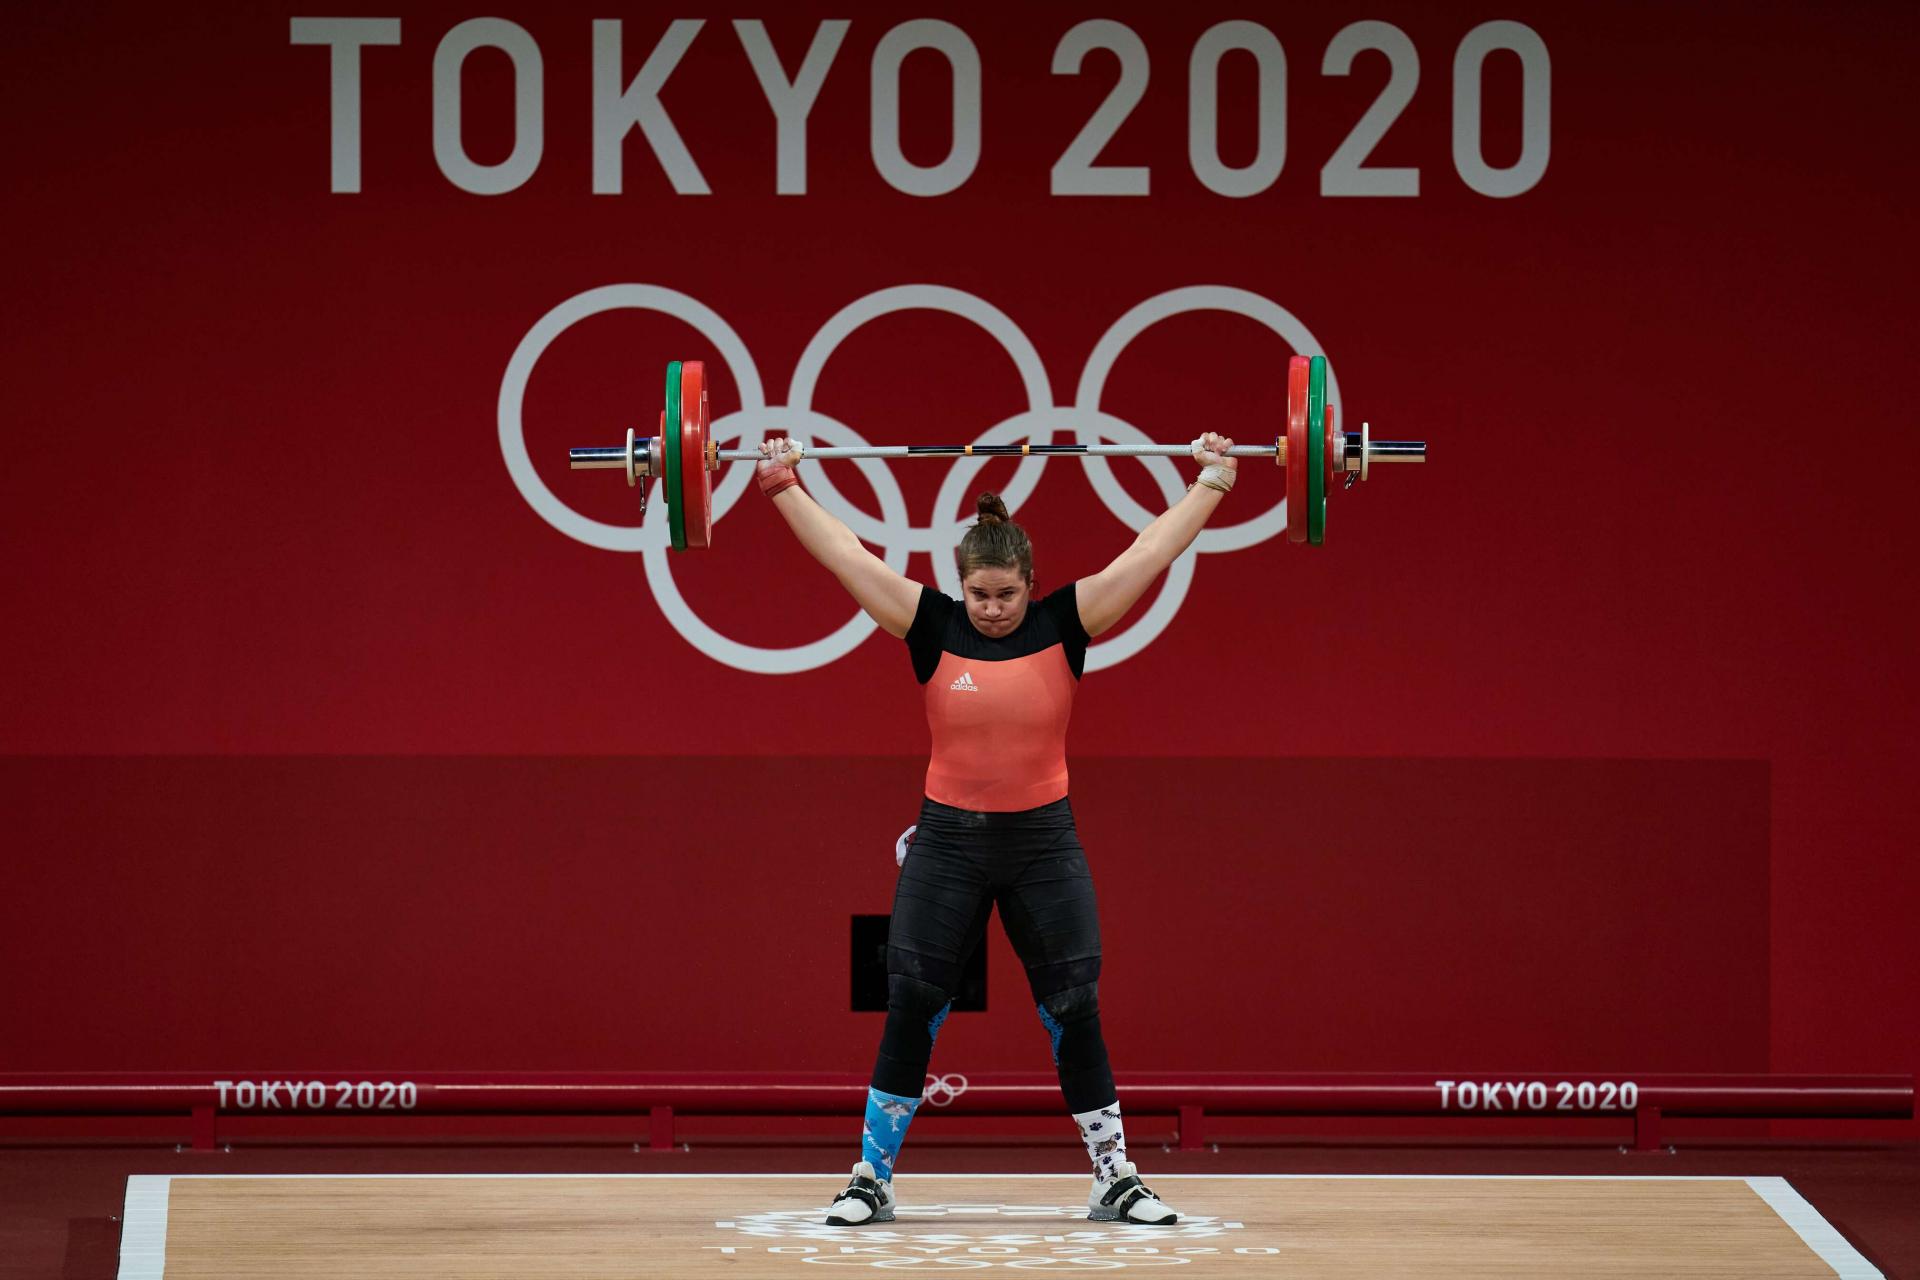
892,530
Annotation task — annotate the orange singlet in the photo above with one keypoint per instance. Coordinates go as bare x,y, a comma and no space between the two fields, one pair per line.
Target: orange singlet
998,707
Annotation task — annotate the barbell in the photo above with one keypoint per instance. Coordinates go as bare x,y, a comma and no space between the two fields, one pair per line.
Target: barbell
683,456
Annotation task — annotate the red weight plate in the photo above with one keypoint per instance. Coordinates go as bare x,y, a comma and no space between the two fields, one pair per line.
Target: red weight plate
1297,449
695,480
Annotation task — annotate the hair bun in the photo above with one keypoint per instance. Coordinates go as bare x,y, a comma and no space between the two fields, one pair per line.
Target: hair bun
991,510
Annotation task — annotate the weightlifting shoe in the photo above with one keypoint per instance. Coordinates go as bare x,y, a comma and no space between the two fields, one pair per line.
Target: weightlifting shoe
1127,1199
866,1199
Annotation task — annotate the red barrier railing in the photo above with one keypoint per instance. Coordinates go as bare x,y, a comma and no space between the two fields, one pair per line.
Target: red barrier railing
1647,1099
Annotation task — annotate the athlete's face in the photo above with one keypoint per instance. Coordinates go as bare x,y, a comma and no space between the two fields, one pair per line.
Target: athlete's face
996,600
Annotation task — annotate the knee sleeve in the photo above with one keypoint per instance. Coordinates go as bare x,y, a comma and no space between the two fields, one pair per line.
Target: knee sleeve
915,1010
1072,1018
1068,1015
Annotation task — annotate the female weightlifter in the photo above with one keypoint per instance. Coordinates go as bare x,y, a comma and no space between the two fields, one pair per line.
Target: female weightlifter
996,828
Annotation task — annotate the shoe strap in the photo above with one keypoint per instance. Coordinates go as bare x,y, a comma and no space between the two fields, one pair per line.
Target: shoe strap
865,1190
1122,1194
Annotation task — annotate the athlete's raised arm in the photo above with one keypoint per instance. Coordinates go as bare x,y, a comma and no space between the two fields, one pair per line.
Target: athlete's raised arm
1105,597
889,598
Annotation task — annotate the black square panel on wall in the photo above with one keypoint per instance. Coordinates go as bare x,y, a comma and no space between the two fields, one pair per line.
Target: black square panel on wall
869,969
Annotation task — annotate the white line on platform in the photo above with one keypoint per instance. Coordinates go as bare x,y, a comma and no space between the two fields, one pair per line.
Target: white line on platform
143,1229
1819,1234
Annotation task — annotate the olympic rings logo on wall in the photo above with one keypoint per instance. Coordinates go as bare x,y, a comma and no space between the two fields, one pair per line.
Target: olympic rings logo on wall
892,530
943,1091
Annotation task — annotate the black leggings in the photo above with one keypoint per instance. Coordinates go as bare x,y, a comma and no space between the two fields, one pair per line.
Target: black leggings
961,865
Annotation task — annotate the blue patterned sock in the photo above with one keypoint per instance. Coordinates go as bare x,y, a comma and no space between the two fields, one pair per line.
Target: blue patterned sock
888,1115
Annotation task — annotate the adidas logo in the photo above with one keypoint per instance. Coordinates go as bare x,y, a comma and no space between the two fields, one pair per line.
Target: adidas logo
965,683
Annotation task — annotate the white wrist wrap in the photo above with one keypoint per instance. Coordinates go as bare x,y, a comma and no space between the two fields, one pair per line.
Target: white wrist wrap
1217,477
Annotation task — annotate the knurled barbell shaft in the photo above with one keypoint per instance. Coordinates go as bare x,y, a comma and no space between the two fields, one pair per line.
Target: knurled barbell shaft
615,458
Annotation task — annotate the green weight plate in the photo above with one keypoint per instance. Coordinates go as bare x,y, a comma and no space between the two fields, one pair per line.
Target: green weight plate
1317,450
670,454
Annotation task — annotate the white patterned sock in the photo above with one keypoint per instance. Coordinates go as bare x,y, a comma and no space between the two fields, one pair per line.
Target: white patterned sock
1105,1138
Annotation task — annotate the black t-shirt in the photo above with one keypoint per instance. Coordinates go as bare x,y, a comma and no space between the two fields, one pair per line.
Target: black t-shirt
940,625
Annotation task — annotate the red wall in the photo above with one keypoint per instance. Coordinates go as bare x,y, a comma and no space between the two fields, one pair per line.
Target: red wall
561,913
256,514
